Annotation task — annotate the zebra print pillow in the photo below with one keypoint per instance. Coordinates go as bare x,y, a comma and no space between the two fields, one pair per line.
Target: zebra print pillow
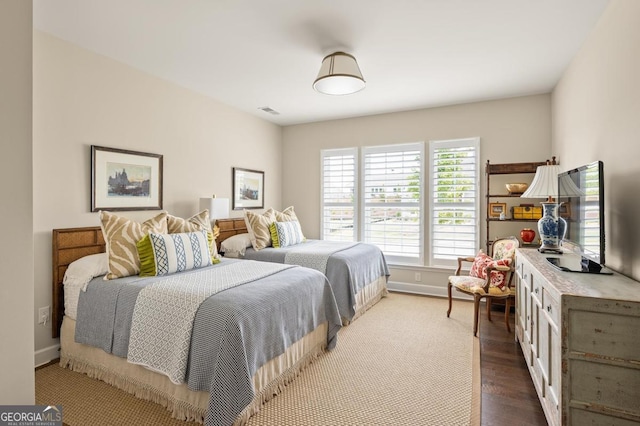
121,235
199,222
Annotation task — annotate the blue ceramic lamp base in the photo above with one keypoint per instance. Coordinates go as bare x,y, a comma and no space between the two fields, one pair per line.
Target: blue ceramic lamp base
551,229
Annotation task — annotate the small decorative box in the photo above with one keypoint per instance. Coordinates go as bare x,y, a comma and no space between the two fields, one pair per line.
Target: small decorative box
526,212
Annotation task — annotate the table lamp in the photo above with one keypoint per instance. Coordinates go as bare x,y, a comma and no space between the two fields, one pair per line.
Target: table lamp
218,207
551,227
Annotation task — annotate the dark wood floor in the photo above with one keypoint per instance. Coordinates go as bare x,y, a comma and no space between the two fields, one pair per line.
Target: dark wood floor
508,395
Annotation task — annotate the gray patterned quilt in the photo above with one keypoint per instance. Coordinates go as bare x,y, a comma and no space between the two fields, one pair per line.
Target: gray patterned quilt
234,333
349,268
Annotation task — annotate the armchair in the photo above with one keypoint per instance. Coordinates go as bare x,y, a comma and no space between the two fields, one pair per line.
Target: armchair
489,278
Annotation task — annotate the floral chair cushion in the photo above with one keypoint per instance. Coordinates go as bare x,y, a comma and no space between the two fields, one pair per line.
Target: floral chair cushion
475,285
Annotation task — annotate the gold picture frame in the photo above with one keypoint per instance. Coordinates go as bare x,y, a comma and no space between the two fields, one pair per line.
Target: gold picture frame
495,209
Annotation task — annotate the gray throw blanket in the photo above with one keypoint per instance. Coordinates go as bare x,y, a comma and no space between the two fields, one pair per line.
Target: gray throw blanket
234,333
349,270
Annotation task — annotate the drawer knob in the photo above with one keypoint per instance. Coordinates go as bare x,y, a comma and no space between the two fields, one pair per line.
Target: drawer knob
536,290
548,308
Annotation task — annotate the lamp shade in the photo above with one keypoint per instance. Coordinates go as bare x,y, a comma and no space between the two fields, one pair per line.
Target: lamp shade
545,182
218,207
568,188
339,75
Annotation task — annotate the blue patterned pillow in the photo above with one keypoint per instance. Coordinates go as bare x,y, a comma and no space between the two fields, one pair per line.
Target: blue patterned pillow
163,254
285,234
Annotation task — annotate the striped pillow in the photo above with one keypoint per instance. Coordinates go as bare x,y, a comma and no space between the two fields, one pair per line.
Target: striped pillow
121,235
285,234
164,254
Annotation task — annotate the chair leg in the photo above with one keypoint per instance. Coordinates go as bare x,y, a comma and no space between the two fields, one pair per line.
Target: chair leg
476,313
487,301
507,310
449,293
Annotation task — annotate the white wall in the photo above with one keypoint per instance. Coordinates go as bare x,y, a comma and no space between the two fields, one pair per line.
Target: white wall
596,116
83,99
16,209
511,130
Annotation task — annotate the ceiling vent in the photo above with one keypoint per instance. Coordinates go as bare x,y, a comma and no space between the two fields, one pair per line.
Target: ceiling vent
269,110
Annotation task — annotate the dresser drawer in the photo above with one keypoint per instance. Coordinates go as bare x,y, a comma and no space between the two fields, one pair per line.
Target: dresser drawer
592,333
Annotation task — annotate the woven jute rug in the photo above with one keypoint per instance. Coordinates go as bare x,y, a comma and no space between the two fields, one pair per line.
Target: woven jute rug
402,363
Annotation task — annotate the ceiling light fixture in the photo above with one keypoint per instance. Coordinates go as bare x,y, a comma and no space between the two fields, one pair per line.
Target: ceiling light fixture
339,75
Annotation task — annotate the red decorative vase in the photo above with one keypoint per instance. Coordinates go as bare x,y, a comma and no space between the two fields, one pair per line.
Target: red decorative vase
527,235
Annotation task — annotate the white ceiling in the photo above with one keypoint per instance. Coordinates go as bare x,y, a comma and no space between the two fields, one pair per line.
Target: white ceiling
412,53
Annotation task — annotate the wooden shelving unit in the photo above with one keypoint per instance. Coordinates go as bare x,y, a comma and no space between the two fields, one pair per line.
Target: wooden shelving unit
505,169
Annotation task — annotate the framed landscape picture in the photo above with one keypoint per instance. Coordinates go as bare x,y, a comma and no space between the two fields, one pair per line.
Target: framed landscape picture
248,189
125,180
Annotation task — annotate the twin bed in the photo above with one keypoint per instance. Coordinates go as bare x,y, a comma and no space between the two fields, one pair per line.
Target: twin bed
230,361
357,272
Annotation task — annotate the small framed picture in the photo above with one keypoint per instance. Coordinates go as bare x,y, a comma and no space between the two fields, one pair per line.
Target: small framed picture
248,189
564,210
496,209
125,180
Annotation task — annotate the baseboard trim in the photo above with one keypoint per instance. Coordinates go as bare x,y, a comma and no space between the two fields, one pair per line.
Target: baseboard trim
425,290
46,355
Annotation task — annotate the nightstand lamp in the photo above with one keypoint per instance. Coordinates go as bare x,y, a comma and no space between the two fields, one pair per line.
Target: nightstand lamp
551,227
218,207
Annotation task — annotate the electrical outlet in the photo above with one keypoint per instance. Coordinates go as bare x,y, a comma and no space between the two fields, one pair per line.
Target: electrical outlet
43,315
418,277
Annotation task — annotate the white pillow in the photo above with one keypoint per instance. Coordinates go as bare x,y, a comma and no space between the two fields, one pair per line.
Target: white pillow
81,271
78,275
235,246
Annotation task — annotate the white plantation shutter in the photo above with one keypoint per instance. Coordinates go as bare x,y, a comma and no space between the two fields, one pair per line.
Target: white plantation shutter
392,200
339,195
454,195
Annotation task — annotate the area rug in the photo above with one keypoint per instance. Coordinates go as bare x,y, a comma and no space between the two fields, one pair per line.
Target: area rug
403,362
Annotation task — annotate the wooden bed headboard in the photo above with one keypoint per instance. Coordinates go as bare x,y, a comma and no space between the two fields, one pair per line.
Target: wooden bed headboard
68,245
229,228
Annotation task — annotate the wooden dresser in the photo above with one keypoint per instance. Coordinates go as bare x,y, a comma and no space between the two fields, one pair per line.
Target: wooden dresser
580,336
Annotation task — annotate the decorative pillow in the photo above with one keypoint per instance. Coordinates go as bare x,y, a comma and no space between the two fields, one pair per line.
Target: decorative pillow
236,245
121,235
482,261
285,234
199,222
287,215
258,227
164,254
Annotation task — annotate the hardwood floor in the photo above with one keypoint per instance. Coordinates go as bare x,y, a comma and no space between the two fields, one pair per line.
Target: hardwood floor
508,395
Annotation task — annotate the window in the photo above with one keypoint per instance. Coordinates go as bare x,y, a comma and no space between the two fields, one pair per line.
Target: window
339,194
392,200
454,194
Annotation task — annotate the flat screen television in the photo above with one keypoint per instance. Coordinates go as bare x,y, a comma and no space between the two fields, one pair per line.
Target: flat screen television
581,192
